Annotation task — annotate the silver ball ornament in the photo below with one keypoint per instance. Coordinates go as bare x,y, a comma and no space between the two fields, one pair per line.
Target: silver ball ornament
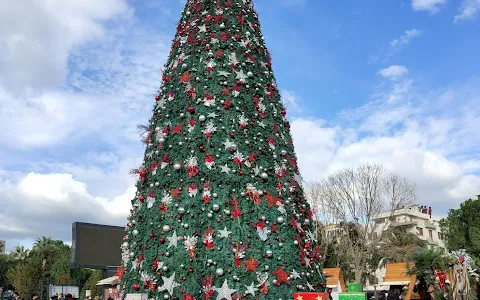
177,166
135,232
280,220
215,207
269,253
201,118
264,175
166,228
219,272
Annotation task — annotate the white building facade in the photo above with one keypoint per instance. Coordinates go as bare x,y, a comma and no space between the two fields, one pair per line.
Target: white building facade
415,219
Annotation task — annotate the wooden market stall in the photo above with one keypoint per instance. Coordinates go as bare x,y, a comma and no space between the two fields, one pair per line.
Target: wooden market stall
396,277
335,281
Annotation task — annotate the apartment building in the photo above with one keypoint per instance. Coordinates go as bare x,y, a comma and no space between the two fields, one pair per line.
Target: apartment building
415,219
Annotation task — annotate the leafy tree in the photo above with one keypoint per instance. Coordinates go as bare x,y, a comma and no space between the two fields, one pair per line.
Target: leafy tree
6,263
461,229
60,268
43,248
20,253
26,277
397,246
426,260
92,281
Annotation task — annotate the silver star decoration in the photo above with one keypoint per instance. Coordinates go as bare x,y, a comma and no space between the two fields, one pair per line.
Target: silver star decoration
310,287
245,43
224,292
224,232
214,40
202,28
307,262
212,115
168,284
251,289
261,124
223,73
264,64
225,169
172,240
312,236
240,75
204,12
256,170
182,57
150,154
160,104
295,274
228,144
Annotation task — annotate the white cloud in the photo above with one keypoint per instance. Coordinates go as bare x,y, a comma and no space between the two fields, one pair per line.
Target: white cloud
468,10
290,100
50,203
425,137
393,72
34,51
432,6
406,37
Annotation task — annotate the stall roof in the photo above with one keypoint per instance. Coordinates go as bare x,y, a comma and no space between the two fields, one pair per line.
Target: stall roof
108,281
396,274
334,277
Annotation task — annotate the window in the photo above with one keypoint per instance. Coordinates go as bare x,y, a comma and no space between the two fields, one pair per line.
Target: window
440,236
430,234
419,231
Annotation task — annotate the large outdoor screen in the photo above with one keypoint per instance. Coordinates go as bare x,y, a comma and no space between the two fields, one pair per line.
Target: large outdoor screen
96,246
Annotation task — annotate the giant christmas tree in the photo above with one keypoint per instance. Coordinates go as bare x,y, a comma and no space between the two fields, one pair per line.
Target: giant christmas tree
219,212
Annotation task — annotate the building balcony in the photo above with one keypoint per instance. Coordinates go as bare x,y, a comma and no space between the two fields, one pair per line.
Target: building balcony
406,224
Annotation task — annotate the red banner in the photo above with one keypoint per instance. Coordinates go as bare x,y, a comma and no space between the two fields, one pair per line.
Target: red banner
310,296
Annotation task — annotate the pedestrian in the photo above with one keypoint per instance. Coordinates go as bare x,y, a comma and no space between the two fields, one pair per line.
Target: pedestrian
34,297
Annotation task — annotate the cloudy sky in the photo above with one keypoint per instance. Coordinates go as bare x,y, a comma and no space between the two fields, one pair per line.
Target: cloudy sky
392,82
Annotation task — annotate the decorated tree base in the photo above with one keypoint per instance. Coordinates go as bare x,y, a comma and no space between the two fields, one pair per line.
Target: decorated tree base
310,296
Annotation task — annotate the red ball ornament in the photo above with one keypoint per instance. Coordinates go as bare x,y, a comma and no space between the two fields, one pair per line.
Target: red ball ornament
152,235
190,270
232,134
143,173
191,109
201,148
162,241
141,198
135,286
157,98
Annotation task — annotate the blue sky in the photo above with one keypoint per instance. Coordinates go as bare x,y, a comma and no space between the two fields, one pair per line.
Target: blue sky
390,82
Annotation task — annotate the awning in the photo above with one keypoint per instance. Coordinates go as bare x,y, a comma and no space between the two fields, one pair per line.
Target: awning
396,282
108,281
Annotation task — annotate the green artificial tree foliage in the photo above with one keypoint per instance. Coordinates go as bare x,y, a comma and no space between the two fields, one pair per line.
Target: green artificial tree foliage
219,211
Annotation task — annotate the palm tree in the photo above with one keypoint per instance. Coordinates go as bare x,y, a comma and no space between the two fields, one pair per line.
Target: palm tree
43,247
20,253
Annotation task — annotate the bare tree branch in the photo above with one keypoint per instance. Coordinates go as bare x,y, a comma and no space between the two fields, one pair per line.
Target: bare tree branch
352,199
